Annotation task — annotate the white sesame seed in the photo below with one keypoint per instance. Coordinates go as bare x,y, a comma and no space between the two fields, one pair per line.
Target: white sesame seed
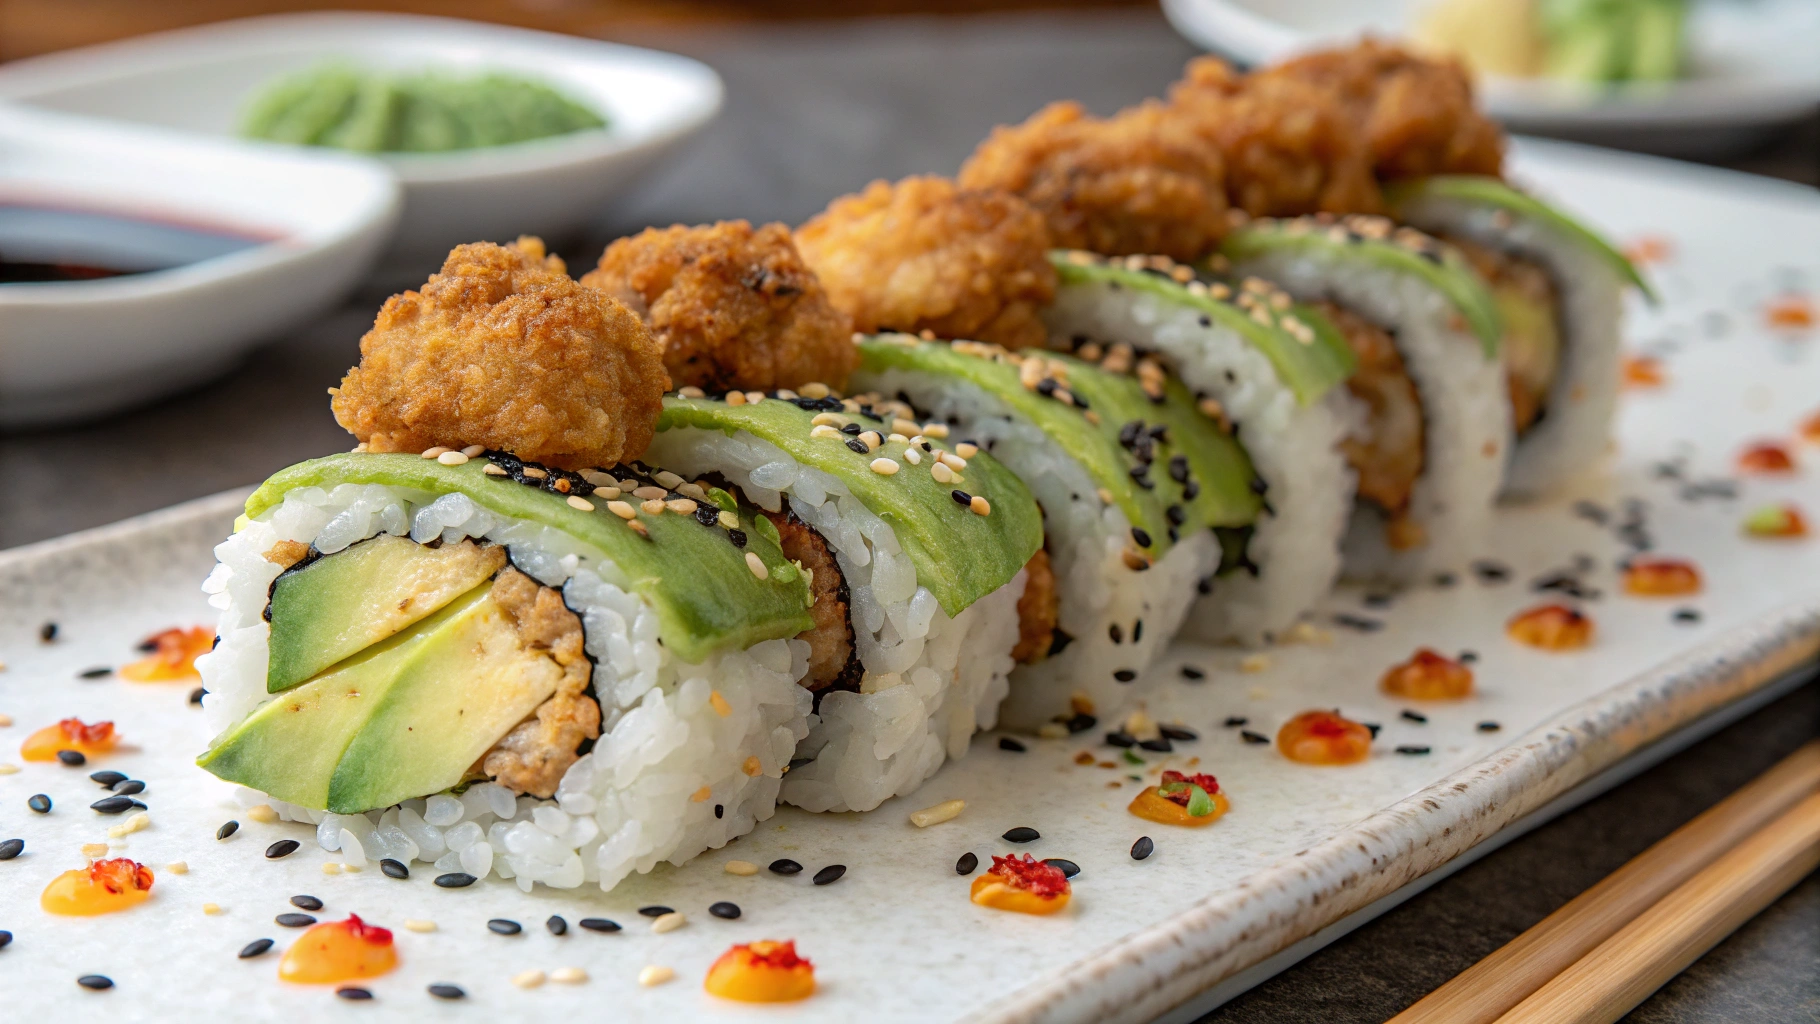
728,520
884,467
606,493
569,975
652,506
330,867
655,975
178,867
913,457
1052,731
742,868
682,506
621,509
935,430
8,769
690,391
904,426
757,565
871,438
785,394
947,810
693,490
898,439
648,492
754,397
980,506
827,431
352,869
829,419
528,979
534,473
413,924
473,450
736,398
952,461
966,449
211,909
669,922
94,850
433,453
5,720
1254,663
1105,496
262,813
667,479
576,501
815,389
941,473
492,470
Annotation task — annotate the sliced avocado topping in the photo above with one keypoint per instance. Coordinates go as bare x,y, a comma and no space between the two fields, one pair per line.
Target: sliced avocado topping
333,607
1309,368
404,718
1377,242
959,556
1472,188
705,595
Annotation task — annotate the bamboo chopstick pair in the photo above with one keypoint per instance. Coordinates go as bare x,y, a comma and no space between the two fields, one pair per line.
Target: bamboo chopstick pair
1594,959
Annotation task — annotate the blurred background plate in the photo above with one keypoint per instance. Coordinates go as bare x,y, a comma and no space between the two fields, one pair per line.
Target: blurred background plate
1753,65
201,79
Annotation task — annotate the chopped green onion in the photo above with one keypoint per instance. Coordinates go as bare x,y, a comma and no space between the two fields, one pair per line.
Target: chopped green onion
1131,758
1200,804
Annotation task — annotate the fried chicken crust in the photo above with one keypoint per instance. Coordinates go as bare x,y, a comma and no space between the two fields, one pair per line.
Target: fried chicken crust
1290,147
503,349
534,756
1417,112
1141,182
733,307
925,254
1038,609
831,655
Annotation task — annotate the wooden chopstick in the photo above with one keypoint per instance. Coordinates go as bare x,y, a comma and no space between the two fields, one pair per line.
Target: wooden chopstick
1485,991
1622,971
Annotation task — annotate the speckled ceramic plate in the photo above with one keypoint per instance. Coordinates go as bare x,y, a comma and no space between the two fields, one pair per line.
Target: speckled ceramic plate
896,938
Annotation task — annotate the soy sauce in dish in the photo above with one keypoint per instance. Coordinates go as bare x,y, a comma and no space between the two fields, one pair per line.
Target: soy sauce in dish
43,244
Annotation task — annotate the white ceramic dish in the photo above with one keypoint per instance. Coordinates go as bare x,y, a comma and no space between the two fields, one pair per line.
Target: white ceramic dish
1301,851
1754,68
75,349
200,80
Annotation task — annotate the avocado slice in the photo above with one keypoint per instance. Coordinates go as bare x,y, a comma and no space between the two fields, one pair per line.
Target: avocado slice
698,581
959,556
1403,250
338,605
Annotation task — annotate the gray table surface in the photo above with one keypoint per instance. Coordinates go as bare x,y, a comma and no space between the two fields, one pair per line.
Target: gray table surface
815,110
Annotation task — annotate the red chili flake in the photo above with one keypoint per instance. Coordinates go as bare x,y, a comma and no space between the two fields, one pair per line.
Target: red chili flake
1766,457
1644,372
1791,312
99,734
171,654
1207,782
1030,874
367,932
120,874
1661,577
781,955
1428,675
1649,249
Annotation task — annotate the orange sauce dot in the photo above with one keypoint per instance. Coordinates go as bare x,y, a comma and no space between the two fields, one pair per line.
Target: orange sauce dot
101,888
1324,737
173,655
1810,428
1026,886
1151,805
339,951
1766,457
1791,312
69,734
1551,627
1776,521
762,972
1644,372
1649,249
1661,577
1428,675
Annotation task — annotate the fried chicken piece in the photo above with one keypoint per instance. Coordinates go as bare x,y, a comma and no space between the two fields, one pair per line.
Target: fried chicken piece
1388,454
534,755
1417,112
924,254
1139,183
733,307
832,664
503,349
1037,611
1289,146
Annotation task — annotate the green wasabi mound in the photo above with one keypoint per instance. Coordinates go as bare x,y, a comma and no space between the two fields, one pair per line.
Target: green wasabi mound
343,107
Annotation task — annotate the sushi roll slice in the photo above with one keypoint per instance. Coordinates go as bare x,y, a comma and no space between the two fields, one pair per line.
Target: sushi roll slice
1431,450
1133,481
1559,289
917,559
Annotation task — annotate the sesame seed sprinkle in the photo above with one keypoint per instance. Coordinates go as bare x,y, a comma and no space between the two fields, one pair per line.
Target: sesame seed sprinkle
577,502
757,565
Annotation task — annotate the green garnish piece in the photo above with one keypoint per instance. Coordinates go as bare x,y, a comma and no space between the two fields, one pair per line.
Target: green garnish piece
1200,804
1131,758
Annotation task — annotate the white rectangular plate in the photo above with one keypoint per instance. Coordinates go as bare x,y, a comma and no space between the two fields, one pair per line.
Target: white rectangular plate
896,938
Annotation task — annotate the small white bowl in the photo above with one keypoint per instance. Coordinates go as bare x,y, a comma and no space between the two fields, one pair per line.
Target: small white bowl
1754,66
201,79
76,349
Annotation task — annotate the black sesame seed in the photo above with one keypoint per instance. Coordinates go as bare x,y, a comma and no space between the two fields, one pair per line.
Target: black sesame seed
281,848
196,695
1445,579
95,673
1235,721
1081,722
1143,848
1068,868
295,920
306,902
968,863
130,787
1176,732
502,926
1175,515
11,848
724,910
961,497
6,939
40,803
108,779
1412,750
95,981
1161,745
72,758
1022,834
851,428
1046,386
707,514
112,804
1687,615
1414,716
1191,672
47,632
257,947
1357,622
738,537
1137,630
785,866
1116,633
598,924
1124,675
557,925
1120,738
1374,727
720,810
1489,727
136,803
444,990
356,994
858,446
455,880
1142,537
1012,744
656,910
1178,468
1253,737
394,868
830,874
227,830
1490,572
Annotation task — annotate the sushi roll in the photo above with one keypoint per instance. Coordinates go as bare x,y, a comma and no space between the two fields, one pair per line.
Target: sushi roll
535,655
1559,289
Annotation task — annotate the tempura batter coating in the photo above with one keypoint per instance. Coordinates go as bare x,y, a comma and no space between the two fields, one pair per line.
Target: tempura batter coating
733,307
924,254
1289,146
503,349
1138,183
1417,113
